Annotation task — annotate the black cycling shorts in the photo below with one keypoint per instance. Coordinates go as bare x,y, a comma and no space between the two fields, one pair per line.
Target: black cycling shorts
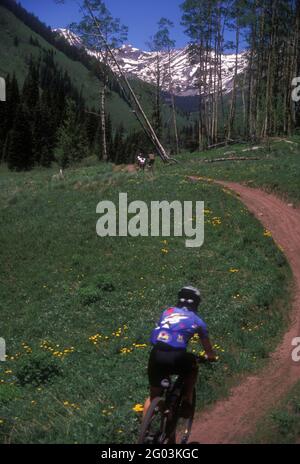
165,361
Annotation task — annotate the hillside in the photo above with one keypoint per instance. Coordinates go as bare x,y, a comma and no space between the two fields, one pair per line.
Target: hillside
15,58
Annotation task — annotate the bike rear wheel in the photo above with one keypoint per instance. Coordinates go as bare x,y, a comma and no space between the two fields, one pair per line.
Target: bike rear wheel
153,424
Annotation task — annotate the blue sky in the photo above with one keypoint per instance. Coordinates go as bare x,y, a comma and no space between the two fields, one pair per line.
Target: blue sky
141,16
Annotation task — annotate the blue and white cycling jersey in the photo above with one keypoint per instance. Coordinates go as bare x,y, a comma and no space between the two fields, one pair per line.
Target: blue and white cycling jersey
177,326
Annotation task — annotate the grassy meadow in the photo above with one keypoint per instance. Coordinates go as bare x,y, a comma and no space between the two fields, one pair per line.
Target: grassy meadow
77,310
277,170
282,424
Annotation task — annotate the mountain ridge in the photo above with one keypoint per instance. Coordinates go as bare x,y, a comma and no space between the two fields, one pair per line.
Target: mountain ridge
142,65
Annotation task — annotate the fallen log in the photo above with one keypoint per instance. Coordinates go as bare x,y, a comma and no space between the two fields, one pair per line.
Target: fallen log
232,158
251,149
221,144
286,141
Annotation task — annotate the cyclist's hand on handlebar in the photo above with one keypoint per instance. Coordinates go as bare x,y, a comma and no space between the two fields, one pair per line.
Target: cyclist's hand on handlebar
207,358
202,359
212,357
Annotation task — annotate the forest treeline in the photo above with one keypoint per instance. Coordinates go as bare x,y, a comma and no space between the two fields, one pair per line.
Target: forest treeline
268,33
51,116
47,119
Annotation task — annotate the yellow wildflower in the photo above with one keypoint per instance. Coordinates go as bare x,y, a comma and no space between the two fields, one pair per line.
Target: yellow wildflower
267,233
216,221
138,408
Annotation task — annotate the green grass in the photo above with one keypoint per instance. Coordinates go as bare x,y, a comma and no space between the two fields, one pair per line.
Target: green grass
62,287
281,425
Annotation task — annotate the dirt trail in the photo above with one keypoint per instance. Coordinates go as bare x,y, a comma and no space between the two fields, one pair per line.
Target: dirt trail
232,419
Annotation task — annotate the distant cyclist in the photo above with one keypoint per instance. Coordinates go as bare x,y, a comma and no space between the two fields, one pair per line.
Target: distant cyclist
141,161
169,354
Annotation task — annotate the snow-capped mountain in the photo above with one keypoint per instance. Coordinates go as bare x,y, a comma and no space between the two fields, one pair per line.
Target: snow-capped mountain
143,65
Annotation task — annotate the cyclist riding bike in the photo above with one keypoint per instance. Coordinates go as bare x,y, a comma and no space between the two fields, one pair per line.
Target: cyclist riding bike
170,340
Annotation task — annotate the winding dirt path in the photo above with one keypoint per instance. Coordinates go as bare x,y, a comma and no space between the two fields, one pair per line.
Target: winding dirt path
232,419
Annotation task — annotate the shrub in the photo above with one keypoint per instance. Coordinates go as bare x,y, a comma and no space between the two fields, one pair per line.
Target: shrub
105,285
37,369
89,295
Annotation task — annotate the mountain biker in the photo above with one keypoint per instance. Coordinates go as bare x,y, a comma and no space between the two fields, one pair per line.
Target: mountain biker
141,160
169,354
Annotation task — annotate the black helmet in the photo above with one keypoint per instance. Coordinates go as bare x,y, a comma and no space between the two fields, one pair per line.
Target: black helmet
189,297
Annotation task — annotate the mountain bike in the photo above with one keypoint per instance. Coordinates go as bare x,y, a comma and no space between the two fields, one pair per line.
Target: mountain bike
162,424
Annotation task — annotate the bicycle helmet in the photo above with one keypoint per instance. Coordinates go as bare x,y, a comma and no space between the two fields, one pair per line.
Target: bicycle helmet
189,297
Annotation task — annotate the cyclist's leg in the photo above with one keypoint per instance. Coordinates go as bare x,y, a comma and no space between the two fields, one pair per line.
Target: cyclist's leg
189,373
154,393
155,375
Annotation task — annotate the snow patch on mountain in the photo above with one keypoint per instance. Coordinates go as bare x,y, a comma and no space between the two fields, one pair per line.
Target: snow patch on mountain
143,65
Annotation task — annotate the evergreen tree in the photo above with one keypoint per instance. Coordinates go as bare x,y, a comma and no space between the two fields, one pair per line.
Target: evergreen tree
91,125
19,144
43,136
8,112
30,93
119,147
44,98
12,101
109,137
71,140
